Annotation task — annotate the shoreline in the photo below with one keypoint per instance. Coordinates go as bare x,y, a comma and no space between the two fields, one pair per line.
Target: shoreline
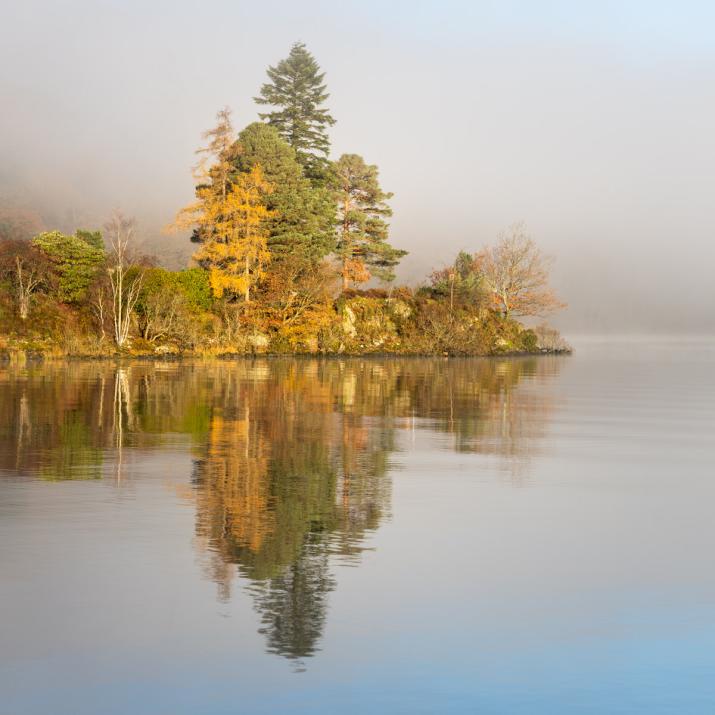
22,357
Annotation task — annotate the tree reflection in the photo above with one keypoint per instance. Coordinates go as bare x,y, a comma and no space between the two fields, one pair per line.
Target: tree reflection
291,457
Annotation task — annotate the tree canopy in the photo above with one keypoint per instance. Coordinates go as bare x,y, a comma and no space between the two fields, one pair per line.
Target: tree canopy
303,216
362,245
76,259
517,275
279,227
237,253
298,91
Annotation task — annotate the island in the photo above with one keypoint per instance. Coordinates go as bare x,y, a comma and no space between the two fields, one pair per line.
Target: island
293,256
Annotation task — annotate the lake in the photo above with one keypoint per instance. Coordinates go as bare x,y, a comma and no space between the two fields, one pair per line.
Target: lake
524,535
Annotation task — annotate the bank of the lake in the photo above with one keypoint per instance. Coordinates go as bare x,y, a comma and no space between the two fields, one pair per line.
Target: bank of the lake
358,324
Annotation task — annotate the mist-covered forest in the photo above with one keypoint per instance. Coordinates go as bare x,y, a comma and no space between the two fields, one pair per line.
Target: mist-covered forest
291,253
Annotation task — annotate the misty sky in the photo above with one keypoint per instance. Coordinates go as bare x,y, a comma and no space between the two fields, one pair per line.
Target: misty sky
590,121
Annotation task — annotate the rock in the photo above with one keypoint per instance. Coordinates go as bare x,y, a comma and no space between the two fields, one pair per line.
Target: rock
258,341
349,321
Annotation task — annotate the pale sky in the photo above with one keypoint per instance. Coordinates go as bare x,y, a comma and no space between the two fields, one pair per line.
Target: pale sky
590,121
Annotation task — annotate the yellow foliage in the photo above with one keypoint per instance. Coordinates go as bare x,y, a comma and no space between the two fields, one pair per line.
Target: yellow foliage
355,271
233,226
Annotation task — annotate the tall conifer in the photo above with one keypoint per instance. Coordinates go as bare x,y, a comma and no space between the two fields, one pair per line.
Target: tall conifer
362,246
298,91
302,229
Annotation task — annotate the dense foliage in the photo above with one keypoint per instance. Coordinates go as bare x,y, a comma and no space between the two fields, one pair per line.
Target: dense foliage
285,239
297,91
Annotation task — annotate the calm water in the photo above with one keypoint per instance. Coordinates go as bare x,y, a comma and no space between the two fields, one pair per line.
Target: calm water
360,536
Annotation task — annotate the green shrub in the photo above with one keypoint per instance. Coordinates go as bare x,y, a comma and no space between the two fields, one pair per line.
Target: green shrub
529,341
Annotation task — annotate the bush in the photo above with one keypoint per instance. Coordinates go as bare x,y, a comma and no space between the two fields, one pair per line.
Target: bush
75,259
529,341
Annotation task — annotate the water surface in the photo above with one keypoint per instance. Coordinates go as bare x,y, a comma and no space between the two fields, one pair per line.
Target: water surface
366,535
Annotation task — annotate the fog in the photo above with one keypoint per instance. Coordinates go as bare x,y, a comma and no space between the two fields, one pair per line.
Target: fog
591,122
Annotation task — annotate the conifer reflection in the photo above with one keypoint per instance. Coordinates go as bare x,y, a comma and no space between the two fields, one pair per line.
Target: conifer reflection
291,457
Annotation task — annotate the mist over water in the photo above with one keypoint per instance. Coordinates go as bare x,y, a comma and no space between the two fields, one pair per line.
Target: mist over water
591,123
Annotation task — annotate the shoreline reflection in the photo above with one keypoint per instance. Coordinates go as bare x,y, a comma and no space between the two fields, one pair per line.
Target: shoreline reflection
291,457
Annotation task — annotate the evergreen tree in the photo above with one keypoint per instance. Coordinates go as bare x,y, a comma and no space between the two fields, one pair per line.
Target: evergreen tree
93,238
462,282
303,225
76,260
297,89
362,246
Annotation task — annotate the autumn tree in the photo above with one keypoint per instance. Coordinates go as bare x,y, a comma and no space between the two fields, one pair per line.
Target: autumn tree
213,176
124,283
215,158
516,274
236,252
27,270
362,232
298,91
229,216
297,304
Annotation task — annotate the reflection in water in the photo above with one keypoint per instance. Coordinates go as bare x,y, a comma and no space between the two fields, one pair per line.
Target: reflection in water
292,457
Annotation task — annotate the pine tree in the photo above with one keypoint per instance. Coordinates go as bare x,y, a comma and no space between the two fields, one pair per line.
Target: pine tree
362,246
296,86
302,229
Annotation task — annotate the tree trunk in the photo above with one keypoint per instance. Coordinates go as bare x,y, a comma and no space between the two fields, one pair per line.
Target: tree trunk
346,280
23,290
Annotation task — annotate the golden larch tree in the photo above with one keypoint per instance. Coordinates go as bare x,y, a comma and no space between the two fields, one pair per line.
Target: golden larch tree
228,217
236,253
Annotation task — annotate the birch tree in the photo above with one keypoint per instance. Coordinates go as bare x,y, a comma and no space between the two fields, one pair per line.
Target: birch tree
27,269
516,274
124,284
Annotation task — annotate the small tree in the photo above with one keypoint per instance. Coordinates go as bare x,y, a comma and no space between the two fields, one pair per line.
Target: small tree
213,182
124,282
517,275
99,302
77,260
462,282
27,269
237,254
170,302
